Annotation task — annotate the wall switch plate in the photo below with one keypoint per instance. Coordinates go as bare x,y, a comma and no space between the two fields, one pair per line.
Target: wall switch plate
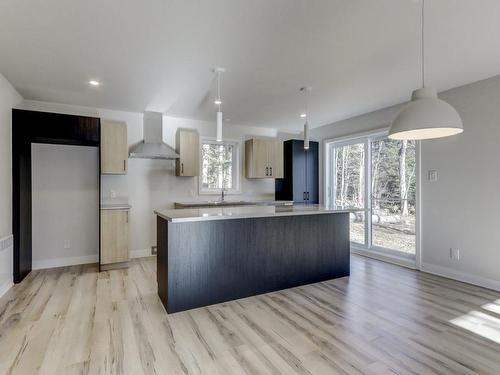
112,193
67,244
432,175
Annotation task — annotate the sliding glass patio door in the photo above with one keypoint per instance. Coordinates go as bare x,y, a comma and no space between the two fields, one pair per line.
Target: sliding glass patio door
349,185
376,176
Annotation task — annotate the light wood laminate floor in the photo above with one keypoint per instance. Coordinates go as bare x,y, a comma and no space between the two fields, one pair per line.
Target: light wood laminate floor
383,319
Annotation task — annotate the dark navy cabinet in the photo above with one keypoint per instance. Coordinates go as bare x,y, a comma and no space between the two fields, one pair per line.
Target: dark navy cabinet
301,173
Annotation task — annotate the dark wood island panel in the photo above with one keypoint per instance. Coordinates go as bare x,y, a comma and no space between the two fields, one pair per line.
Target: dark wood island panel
201,263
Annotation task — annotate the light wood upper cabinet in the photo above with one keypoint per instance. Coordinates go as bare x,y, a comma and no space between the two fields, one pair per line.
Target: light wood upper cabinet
114,236
114,147
276,159
187,144
256,158
263,158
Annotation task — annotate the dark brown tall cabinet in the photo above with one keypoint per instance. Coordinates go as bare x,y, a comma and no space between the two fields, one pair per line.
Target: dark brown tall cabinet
301,177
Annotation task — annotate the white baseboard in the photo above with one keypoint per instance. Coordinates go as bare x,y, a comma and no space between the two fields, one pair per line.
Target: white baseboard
6,258
86,259
141,253
451,273
5,287
63,262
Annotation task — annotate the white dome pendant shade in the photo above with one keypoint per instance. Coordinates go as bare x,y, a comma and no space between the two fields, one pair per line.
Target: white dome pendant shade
426,117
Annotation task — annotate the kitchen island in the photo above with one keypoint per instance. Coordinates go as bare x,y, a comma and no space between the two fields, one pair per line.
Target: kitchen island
212,255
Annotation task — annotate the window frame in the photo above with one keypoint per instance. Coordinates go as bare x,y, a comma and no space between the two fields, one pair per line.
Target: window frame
236,189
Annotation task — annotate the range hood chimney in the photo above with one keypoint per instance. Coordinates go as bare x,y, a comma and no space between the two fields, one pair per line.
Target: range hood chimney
153,147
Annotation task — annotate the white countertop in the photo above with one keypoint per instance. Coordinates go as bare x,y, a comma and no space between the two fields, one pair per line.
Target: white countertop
241,212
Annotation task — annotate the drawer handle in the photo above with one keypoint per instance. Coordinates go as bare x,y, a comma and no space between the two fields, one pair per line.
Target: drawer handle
182,167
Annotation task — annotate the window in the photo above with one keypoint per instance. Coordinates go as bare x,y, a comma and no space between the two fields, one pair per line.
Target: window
393,194
349,185
219,166
377,176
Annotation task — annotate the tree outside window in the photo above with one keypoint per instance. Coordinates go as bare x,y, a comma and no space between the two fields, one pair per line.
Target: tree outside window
219,165
391,186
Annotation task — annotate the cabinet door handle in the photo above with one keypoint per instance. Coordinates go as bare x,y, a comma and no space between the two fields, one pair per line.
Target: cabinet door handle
124,165
267,171
307,195
271,169
304,196
182,167
126,212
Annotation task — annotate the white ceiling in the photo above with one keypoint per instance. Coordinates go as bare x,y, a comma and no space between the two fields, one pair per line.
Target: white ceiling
358,55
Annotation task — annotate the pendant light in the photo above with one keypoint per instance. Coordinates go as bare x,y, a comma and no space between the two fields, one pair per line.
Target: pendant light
218,103
305,91
426,116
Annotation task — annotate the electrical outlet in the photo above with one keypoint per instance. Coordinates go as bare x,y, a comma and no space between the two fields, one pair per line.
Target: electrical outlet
454,254
432,175
154,250
67,244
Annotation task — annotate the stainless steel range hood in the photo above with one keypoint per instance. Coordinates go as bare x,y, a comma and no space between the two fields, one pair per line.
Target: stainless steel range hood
153,147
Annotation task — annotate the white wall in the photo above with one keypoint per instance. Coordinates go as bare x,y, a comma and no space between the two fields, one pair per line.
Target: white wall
152,184
461,209
8,99
65,199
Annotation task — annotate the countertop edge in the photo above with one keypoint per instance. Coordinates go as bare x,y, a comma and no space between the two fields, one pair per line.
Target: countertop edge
250,215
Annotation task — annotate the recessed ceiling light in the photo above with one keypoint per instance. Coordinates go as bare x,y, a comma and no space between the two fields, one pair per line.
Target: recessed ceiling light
94,83
303,115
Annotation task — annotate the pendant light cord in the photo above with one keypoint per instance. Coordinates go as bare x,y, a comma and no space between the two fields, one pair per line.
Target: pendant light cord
423,43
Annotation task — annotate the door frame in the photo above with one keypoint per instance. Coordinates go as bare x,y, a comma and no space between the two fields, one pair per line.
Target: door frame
368,249
41,127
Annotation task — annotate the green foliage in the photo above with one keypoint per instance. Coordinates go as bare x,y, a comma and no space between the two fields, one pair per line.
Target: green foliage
387,183
386,174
